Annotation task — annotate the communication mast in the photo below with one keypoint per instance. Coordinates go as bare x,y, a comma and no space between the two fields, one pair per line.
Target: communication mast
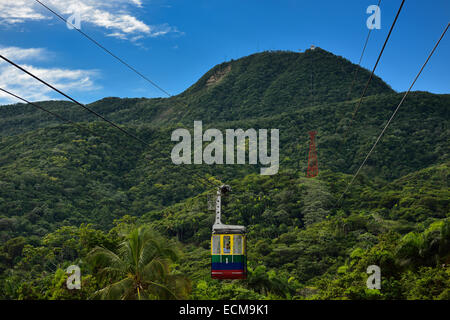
313,169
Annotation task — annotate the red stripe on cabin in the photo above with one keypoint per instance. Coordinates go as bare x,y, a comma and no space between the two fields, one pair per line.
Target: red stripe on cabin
228,274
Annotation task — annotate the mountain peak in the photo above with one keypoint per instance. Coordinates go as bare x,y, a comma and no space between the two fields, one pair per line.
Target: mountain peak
275,81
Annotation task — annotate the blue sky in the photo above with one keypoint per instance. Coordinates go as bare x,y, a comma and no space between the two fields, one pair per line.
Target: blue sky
175,42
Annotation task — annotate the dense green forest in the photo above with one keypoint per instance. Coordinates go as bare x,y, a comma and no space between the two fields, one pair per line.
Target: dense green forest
69,197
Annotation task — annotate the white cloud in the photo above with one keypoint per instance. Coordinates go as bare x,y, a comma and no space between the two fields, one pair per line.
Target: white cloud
18,11
137,3
114,15
125,23
117,35
23,54
17,82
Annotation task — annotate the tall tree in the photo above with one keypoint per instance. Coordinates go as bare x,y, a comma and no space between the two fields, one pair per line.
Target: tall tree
140,269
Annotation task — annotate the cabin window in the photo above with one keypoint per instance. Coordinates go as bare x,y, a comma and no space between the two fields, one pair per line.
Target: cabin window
226,244
237,244
216,245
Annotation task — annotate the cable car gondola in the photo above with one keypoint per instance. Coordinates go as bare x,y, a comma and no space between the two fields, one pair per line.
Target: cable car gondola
228,246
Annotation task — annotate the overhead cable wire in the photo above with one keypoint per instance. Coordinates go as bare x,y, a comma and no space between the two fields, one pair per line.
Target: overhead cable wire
111,123
374,68
48,111
393,114
73,100
355,74
153,83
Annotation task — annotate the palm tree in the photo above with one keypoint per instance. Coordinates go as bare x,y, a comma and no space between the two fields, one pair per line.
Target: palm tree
140,269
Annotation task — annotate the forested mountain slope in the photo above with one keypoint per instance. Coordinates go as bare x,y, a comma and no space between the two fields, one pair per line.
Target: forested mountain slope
55,177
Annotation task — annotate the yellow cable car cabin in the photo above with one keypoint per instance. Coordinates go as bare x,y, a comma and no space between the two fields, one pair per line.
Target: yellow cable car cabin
228,257
228,245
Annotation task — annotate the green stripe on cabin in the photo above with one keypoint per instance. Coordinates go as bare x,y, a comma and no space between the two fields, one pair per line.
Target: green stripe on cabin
231,258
